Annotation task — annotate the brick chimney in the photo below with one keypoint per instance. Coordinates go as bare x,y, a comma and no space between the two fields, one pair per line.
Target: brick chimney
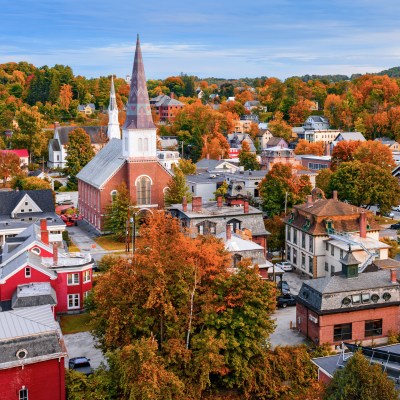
246,206
219,201
334,194
328,149
309,200
184,204
55,254
393,276
363,224
172,95
196,204
44,233
228,232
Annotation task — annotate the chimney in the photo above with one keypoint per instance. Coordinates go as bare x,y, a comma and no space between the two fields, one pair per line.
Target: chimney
393,276
328,149
172,95
334,193
184,204
309,200
56,125
44,233
363,224
196,204
208,156
55,254
228,232
219,201
246,206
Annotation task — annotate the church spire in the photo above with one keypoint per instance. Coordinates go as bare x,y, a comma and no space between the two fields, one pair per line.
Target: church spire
113,130
138,112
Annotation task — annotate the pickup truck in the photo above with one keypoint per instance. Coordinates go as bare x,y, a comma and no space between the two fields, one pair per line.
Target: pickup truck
286,300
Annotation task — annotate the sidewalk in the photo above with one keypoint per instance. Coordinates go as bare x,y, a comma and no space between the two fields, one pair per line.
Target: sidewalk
83,236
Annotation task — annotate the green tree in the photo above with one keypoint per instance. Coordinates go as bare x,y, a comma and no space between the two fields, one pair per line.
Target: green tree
187,166
276,227
281,186
323,181
29,134
177,188
222,190
247,159
360,380
366,184
117,213
79,151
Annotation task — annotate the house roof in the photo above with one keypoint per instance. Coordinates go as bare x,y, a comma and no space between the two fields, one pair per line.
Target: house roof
54,144
43,198
21,153
34,294
164,100
236,243
97,134
351,136
319,118
102,167
274,141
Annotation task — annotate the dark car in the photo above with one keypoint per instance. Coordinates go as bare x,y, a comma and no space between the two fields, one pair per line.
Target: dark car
395,226
80,364
284,287
286,300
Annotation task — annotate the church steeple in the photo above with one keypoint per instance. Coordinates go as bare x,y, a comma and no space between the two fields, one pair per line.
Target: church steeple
138,112
113,130
139,132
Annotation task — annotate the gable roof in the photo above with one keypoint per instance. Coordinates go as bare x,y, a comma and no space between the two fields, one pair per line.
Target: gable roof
97,134
43,199
102,167
274,141
21,153
351,136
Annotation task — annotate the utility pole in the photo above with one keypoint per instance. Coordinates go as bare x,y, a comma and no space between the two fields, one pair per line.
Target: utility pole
286,194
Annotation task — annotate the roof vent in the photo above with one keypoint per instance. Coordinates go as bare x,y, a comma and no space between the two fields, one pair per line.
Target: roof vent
21,354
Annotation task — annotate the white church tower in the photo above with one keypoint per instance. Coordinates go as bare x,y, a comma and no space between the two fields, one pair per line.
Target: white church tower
113,131
139,134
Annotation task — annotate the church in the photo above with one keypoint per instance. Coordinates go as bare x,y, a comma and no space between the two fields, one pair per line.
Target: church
131,159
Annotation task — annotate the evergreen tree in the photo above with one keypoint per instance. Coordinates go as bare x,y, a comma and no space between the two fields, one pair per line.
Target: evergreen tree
79,151
177,188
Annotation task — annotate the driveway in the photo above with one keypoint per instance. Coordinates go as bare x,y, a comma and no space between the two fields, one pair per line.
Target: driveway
83,345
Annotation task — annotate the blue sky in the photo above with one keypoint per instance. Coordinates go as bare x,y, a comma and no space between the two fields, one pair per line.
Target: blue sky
219,38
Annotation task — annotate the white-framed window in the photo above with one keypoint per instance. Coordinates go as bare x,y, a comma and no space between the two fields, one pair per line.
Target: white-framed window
73,301
86,295
28,272
73,279
23,393
143,190
86,276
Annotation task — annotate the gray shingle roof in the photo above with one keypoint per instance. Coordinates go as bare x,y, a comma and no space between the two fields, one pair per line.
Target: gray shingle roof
34,294
43,198
55,144
102,167
96,133
351,136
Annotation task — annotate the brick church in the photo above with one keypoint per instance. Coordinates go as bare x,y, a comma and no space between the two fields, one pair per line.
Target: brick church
132,159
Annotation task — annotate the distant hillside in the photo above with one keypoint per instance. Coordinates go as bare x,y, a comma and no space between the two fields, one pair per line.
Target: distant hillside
392,72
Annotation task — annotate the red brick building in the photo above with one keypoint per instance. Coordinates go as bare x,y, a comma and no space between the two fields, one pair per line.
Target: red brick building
32,355
132,159
350,307
166,107
32,272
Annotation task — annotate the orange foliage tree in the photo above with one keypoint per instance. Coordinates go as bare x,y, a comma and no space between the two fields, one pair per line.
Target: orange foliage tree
215,147
300,111
376,153
279,127
65,96
305,147
343,152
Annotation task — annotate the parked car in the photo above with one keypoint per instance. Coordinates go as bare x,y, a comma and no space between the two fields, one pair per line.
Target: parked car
389,214
395,226
65,202
80,364
286,300
284,287
396,208
285,266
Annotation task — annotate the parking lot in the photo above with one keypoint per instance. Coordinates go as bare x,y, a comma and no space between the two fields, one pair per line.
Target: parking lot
284,317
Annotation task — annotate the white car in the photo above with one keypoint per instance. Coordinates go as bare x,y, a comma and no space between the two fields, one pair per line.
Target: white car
285,266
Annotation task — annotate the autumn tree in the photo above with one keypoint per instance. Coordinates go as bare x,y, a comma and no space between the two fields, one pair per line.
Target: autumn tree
30,183
276,227
177,188
117,212
222,190
366,184
215,147
208,325
247,159
29,133
300,111
305,147
187,166
360,379
65,96
280,128
9,165
343,152
79,152
376,153
283,187
323,181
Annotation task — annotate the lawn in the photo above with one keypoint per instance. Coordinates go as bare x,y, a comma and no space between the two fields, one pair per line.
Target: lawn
385,220
109,242
75,323
73,248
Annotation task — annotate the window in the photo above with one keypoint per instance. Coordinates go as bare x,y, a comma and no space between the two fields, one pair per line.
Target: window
342,332
73,279
341,253
140,144
23,394
295,236
294,257
146,144
332,251
365,297
310,244
236,260
373,328
28,272
356,298
206,228
332,270
303,240
113,195
310,265
26,203
143,190
73,301
288,228
326,246
288,253
86,276
235,224
303,259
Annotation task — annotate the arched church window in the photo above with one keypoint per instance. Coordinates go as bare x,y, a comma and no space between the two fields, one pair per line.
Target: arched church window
143,190
146,144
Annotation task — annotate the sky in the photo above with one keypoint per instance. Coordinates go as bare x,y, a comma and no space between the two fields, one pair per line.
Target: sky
208,38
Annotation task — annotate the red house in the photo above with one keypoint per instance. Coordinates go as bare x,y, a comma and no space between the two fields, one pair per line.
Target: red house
28,260
32,355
